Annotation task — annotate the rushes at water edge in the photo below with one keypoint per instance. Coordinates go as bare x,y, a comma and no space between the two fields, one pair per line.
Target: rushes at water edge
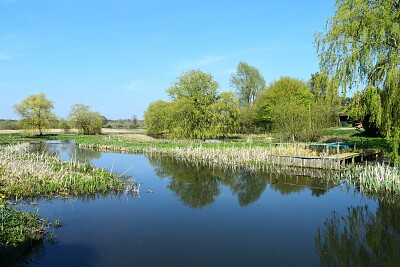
24,174
379,178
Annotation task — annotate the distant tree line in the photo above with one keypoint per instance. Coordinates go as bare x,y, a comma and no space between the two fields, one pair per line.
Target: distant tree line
36,114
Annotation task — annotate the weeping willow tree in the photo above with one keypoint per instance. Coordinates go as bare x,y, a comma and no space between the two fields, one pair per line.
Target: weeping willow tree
361,47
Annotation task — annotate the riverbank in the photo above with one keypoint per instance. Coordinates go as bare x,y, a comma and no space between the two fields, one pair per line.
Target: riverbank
19,231
25,175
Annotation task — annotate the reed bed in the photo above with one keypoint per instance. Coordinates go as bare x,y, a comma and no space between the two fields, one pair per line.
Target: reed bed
223,157
375,178
24,175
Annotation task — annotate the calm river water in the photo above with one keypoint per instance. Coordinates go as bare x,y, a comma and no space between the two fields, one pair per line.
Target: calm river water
198,216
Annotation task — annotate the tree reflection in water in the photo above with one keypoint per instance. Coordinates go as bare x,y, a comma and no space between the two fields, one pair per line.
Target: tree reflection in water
67,147
198,186
195,186
288,184
248,187
361,238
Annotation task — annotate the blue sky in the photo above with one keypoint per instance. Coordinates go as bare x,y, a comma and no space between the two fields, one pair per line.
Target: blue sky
118,56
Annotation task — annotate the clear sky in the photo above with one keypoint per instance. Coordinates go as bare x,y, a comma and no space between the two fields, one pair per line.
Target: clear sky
118,56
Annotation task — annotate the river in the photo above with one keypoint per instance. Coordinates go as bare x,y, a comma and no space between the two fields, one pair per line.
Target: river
189,215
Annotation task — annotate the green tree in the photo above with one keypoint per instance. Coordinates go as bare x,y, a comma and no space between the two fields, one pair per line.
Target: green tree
35,112
225,115
158,117
326,102
197,110
197,86
65,125
366,108
361,46
87,121
286,104
248,82
198,91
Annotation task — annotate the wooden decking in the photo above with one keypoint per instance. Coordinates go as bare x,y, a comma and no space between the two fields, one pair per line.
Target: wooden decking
337,161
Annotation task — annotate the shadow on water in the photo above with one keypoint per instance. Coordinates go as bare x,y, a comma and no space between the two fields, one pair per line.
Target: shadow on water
361,238
22,258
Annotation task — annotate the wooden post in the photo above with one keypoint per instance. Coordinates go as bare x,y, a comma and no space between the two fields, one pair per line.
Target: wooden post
297,149
337,156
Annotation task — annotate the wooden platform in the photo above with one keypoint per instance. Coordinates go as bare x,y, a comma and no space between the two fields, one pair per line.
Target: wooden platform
337,161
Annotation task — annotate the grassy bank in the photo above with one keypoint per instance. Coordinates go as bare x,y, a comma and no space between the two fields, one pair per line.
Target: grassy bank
26,175
19,230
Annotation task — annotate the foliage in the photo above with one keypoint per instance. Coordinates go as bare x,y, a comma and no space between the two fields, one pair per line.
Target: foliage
35,112
87,121
248,82
196,86
65,125
8,125
366,108
224,115
124,123
361,46
196,109
325,105
157,117
286,107
18,229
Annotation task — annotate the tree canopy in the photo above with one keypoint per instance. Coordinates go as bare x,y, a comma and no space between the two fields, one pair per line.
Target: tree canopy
86,120
286,106
361,47
197,110
35,112
248,82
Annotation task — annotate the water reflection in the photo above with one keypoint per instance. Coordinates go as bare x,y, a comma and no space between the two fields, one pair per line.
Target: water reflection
361,238
198,186
247,186
195,186
154,230
288,184
66,150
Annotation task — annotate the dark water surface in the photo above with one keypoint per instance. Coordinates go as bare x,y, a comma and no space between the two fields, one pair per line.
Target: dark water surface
203,217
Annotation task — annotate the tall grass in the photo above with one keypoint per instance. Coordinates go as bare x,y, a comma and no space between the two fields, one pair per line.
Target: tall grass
24,174
219,156
375,178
